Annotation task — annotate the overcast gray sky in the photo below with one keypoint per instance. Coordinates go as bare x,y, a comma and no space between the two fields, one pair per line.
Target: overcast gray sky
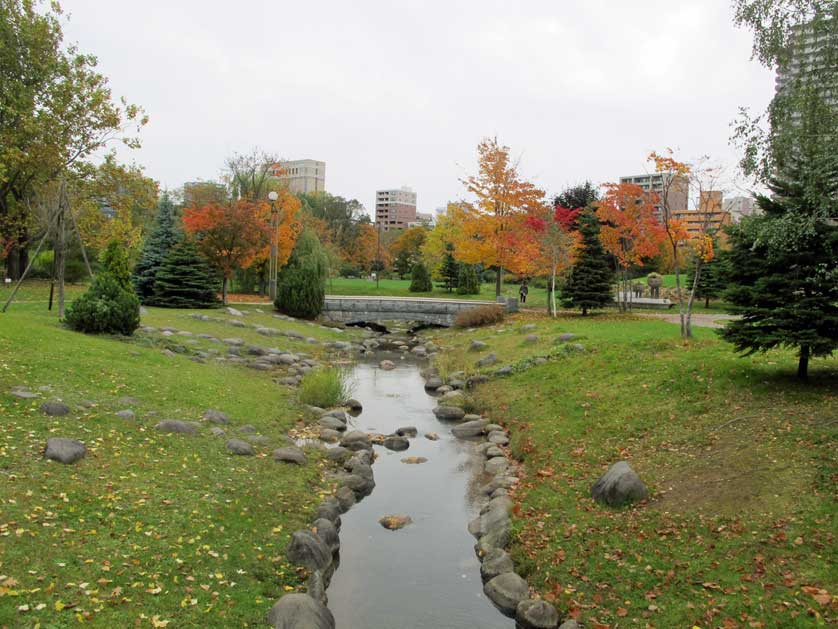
399,92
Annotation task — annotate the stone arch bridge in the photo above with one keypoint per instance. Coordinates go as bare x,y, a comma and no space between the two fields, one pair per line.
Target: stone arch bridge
356,309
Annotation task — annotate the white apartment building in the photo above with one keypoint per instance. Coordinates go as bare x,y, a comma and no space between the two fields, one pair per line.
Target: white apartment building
395,208
679,189
738,207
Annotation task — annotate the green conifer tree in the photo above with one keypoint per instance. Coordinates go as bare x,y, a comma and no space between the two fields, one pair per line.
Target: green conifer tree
184,280
589,284
468,283
165,234
114,260
782,268
420,280
450,270
301,286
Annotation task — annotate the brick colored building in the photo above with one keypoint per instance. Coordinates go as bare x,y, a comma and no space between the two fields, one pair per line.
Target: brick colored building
395,208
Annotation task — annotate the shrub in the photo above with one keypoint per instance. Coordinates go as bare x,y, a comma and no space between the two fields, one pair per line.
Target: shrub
106,308
420,280
468,282
348,269
489,276
482,315
301,286
324,387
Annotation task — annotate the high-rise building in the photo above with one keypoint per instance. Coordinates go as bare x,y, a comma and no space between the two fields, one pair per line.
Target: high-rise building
678,189
739,207
302,175
395,209
813,55
709,217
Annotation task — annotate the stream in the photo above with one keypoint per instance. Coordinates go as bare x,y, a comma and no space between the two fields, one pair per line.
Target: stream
426,575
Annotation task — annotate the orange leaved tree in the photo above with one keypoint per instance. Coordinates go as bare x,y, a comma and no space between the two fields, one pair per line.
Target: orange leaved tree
630,231
704,179
491,224
230,236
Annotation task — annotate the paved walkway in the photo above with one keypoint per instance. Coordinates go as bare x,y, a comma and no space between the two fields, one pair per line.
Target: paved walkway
698,319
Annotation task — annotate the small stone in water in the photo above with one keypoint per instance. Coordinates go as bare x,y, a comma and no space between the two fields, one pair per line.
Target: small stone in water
395,522
414,460
432,436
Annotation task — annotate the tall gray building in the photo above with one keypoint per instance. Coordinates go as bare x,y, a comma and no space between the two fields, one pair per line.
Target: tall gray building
302,175
395,208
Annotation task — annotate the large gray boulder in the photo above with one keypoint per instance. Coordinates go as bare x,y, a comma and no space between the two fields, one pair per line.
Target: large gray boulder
54,409
536,614
407,431
449,413
488,360
327,532
346,498
469,429
506,591
300,611
619,486
496,465
356,440
338,454
290,455
177,426
477,346
332,423
216,417
397,443
64,450
496,562
239,447
360,485
329,436
308,550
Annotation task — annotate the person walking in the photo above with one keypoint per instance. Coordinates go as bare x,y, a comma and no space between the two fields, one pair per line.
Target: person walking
523,292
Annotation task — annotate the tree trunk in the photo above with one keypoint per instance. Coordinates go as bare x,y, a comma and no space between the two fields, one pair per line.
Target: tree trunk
707,301
553,293
803,363
60,257
224,291
584,311
498,281
685,333
691,300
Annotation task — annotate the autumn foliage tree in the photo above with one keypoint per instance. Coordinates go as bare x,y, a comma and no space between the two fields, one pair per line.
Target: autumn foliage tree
491,224
229,236
630,231
551,229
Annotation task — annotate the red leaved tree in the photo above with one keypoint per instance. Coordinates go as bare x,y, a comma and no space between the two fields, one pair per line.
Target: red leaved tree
552,230
230,236
630,231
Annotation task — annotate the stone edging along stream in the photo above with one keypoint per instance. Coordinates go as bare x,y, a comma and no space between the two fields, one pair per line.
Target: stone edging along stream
317,548
507,590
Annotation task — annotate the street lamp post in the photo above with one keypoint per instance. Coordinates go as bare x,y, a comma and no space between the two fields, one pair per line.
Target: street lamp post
378,264
273,263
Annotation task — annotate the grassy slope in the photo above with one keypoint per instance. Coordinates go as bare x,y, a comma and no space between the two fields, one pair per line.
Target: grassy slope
148,524
740,459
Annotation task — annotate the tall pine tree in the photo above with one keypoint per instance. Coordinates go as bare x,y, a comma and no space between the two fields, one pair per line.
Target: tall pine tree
782,270
165,234
184,280
589,284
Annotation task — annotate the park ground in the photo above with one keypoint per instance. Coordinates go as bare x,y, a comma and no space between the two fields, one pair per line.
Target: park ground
740,459
149,528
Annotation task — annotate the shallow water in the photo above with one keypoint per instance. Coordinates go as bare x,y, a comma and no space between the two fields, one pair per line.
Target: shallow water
426,575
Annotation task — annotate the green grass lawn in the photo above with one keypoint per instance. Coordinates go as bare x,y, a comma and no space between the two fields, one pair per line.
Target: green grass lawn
740,458
148,525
